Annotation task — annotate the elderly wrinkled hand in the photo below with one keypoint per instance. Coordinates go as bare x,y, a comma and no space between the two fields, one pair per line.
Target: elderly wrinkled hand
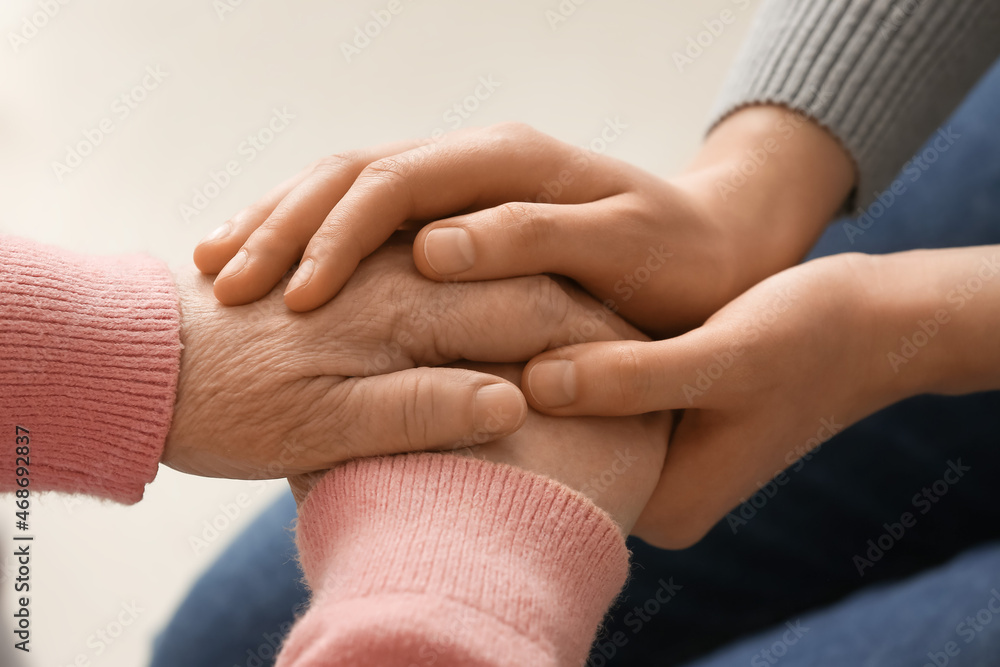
265,392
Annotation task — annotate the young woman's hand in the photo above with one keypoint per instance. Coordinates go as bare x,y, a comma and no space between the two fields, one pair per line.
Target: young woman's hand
510,201
783,368
780,369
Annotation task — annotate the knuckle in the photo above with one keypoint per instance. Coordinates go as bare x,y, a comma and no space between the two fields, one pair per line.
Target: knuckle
417,411
347,163
523,224
251,218
391,170
632,380
550,301
513,136
308,419
277,238
512,128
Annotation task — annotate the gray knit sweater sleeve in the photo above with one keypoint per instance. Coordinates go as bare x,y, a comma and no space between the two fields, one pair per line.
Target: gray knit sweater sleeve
881,75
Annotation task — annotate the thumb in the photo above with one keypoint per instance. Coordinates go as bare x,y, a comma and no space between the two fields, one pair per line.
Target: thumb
430,408
517,239
618,378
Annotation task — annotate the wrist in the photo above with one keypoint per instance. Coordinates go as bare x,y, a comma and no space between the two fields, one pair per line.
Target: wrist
773,179
192,289
941,309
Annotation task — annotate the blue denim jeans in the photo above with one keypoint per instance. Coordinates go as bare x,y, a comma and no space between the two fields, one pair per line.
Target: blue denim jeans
881,548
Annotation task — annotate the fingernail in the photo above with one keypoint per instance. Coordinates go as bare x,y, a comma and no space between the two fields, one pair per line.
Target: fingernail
235,265
498,408
449,250
553,383
301,276
221,232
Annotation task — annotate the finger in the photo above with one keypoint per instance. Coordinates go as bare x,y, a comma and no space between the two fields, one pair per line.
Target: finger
269,237
507,163
620,378
215,250
506,321
522,238
427,409
710,468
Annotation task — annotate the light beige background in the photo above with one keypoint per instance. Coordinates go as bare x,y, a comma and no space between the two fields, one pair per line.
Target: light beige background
228,65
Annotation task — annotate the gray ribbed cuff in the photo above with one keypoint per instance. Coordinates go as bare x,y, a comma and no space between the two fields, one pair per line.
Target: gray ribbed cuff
880,75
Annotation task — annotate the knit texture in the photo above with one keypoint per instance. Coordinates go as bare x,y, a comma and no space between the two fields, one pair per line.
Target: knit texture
89,357
436,559
880,75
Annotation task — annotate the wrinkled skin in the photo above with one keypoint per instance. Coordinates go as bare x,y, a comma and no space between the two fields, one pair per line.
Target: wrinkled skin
265,392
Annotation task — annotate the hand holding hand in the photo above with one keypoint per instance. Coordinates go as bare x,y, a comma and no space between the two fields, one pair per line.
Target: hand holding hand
264,392
615,461
773,374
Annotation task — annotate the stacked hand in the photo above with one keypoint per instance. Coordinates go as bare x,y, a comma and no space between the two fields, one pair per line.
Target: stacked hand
615,461
268,393
782,367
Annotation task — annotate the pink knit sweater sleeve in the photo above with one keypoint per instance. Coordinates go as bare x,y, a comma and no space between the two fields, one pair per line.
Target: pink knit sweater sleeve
89,356
432,559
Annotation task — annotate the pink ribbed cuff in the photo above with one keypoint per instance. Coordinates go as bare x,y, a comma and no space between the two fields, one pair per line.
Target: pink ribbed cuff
89,356
469,561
